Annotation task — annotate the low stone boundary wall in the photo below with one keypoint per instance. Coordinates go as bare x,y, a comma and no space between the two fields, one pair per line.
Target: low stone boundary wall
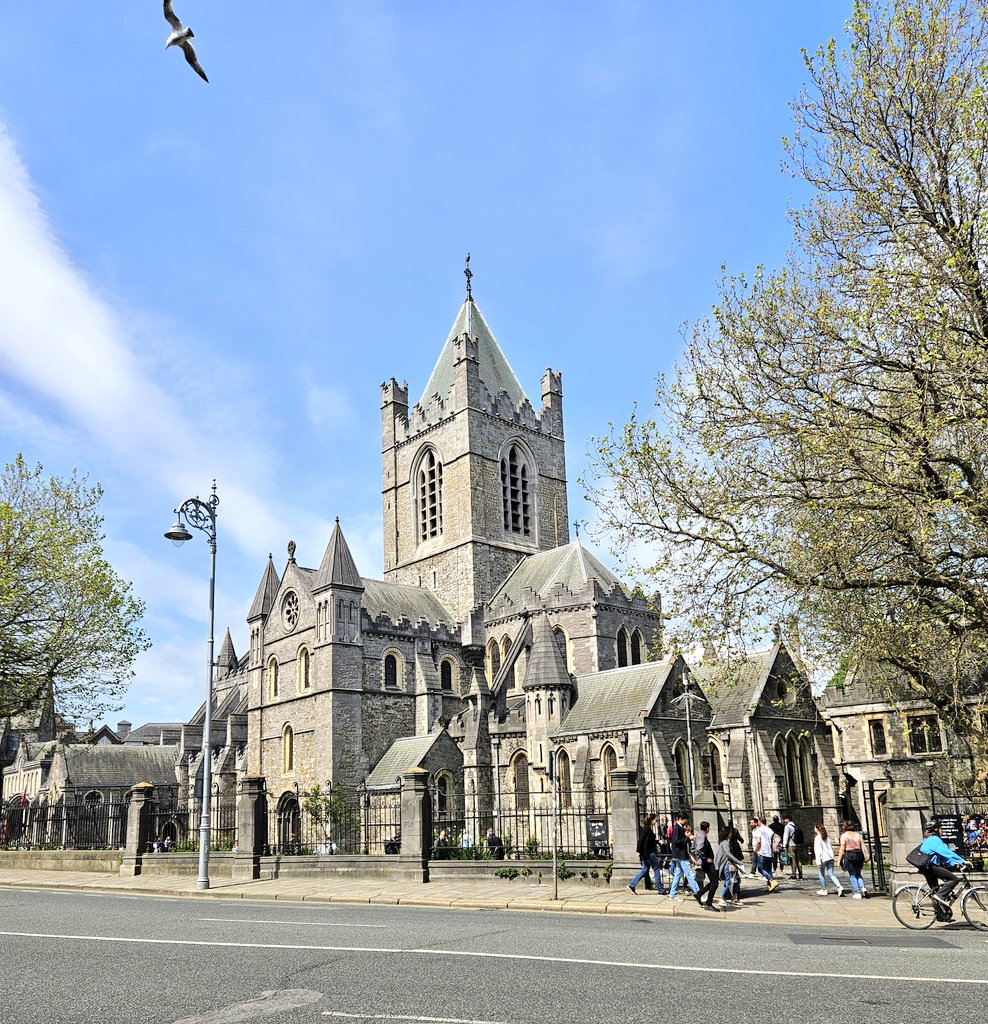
61,860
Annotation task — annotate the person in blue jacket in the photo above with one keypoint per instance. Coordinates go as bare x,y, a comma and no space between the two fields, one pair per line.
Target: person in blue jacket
942,858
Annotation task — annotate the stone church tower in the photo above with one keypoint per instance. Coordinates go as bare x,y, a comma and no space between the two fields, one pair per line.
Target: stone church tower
474,477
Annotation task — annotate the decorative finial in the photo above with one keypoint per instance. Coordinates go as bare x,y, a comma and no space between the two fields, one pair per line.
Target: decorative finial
291,551
576,524
468,273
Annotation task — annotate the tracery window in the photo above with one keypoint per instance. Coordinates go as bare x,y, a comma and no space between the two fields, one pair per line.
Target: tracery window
622,647
515,495
430,496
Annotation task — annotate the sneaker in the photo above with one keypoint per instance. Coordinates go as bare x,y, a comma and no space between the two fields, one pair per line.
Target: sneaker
632,890
698,898
821,892
773,885
840,892
710,906
675,899
722,902
857,896
663,892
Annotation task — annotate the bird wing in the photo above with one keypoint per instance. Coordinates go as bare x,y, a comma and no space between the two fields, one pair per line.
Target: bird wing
190,56
170,16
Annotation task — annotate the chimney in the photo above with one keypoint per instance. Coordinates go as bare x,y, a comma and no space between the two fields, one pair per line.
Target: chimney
123,729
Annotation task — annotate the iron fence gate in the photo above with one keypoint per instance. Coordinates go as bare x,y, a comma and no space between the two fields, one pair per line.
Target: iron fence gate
78,820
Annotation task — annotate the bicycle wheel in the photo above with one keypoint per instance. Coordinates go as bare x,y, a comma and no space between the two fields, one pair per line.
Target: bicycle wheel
974,907
913,906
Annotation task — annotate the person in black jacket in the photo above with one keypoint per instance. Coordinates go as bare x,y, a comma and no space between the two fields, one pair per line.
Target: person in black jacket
647,855
704,854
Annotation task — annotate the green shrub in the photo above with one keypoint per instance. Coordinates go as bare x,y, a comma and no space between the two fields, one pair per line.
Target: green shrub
608,871
508,873
563,872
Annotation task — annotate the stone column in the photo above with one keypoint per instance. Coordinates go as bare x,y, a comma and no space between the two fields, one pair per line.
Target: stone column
905,815
138,829
624,817
252,828
712,807
416,826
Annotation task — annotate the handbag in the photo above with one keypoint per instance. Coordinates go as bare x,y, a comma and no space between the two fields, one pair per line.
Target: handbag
784,859
918,859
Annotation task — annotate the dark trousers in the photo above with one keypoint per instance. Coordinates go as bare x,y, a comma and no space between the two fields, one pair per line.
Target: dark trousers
936,875
710,883
795,863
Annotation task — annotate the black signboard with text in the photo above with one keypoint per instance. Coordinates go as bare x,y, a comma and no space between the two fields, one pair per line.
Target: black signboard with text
597,840
951,831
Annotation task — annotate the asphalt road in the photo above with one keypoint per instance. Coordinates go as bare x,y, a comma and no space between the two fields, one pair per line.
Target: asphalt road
73,957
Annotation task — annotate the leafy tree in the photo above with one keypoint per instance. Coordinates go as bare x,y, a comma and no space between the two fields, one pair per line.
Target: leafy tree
331,811
819,456
68,624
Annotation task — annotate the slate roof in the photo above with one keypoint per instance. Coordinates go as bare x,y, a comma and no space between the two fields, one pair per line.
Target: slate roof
572,565
733,690
96,767
150,734
495,372
267,591
615,699
403,755
227,659
398,600
337,566
546,664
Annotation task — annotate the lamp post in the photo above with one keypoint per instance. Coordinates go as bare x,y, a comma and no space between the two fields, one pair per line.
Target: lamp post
686,699
202,515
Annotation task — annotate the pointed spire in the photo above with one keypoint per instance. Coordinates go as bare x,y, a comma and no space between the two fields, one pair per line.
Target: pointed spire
227,661
337,568
546,665
266,592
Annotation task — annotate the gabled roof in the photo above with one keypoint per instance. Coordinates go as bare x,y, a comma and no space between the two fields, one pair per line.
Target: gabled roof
398,600
546,664
337,567
403,755
571,565
734,688
154,734
617,699
495,372
267,591
98,767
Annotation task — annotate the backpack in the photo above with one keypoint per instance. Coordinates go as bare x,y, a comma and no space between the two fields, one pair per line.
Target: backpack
776,842
797,836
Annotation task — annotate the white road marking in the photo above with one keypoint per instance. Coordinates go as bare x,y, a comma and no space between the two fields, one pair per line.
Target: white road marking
635,965
399,1016
302,924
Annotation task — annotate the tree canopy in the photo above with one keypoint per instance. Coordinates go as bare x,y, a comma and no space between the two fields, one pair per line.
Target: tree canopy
819,455
69,629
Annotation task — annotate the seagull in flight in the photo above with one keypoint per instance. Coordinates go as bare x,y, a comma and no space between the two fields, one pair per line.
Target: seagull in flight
180,37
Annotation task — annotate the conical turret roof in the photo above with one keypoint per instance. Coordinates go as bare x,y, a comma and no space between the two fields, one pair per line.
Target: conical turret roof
337,567
227,660
546,664
266,592
495,372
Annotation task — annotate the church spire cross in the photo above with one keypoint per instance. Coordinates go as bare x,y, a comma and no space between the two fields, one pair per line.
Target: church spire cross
468,274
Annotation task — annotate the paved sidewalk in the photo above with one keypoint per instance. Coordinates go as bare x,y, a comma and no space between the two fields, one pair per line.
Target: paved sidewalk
794,903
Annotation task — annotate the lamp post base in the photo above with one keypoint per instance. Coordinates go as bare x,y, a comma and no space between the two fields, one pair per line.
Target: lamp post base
202,883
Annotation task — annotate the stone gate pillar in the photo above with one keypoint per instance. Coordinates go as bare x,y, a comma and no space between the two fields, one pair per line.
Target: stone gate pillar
416,826
252,828
624,817
138,828
905,812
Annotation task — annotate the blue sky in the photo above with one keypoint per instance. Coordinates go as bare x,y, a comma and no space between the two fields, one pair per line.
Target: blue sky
202,281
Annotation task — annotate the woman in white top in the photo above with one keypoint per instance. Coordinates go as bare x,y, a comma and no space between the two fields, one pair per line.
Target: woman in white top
824,855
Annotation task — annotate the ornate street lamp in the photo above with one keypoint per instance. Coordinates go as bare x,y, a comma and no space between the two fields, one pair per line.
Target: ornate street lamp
202,515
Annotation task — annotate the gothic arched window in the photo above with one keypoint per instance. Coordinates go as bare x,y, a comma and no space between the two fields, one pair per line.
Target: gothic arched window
446,676
520,772
303,668
495,661
429,485
564,775
622,647
636,648
515,492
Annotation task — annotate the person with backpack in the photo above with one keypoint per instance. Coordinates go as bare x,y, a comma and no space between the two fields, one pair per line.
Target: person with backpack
792,844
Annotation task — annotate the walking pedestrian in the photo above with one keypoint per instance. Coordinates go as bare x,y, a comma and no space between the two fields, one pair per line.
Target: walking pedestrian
761,840
823,852
792,844
647,855
729,867
737,851
778,830
851,856
704,854
681,865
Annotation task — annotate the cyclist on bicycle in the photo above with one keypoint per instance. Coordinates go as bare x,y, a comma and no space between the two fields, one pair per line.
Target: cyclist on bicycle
937,873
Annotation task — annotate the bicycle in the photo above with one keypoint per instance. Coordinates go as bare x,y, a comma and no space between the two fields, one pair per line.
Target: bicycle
914,907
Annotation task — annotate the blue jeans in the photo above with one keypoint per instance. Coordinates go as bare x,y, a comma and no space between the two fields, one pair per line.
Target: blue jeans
653,863
681,868
827,868
765,867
